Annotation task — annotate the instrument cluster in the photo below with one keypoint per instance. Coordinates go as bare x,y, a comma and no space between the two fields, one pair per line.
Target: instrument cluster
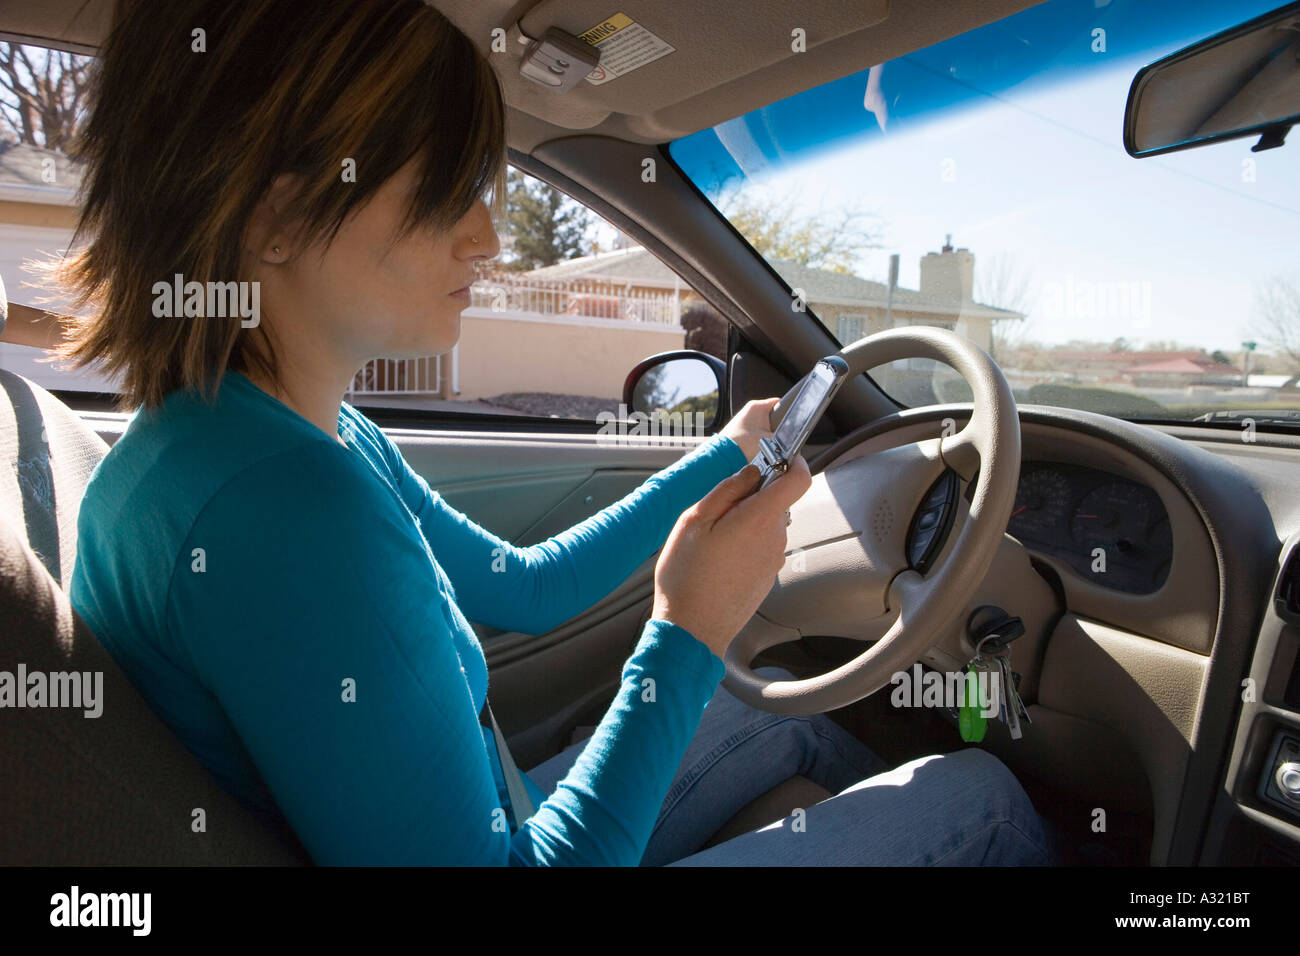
1111,530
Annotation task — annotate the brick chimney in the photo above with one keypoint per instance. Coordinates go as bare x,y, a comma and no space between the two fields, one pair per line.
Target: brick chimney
949,273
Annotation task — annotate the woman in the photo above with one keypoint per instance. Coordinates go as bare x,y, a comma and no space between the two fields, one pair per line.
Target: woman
288,594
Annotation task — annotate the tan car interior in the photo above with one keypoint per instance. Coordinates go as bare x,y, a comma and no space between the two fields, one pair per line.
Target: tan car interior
1138,700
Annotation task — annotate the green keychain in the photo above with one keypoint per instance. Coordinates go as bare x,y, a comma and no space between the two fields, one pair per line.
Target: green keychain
970,717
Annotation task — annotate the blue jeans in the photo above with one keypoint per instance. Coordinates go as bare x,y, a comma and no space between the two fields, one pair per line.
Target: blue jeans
959,809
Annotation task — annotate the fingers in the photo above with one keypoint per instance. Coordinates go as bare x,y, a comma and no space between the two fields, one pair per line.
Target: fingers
790,487
757,412
763,410
727,492
738,492
770,504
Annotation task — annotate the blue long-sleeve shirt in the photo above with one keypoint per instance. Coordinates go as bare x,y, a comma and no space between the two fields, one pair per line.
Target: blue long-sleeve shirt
297,612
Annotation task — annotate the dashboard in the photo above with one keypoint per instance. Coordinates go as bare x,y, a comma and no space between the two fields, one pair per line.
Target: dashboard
1111,530
1154,687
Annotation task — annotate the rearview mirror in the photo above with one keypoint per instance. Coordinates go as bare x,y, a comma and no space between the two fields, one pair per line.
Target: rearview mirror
1242,82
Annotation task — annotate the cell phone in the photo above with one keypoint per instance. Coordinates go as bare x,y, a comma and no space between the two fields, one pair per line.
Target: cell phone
776,453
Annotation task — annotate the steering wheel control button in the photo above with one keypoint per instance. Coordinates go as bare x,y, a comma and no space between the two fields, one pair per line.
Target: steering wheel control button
932,522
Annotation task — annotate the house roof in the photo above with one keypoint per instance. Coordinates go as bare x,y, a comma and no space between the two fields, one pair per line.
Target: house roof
1175,366
638,266
24,177
632,265
1184,366
1153,361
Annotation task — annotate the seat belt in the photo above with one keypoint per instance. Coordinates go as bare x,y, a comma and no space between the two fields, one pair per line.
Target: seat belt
521,804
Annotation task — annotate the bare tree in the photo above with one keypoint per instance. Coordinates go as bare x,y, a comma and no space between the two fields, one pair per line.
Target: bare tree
1277,317
42,93
778,228
1001,282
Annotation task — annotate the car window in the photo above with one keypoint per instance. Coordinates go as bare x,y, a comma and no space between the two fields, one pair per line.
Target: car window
555,323
41,103
553,327
992,167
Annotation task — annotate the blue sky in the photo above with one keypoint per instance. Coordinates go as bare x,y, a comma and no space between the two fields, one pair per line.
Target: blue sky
1036,175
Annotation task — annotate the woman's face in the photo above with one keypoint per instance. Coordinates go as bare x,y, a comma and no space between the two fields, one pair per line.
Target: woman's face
373,298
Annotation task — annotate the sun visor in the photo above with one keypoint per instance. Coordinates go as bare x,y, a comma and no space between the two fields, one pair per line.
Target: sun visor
653,55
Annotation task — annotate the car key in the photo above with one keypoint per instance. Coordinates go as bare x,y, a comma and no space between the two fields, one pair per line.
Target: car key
1011,699
992,649
1013,708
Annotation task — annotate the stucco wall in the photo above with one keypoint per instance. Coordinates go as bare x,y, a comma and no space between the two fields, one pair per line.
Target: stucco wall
569,355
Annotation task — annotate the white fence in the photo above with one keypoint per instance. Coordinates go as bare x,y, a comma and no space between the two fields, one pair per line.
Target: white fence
591,298
508,294
419,376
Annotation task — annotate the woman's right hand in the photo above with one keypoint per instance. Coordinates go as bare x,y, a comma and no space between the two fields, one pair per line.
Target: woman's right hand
724,553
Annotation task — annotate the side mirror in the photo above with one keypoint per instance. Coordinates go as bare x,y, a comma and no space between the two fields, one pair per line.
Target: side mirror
1242,82
681,390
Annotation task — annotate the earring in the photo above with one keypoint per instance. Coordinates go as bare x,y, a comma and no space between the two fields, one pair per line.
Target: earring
474,239
276,250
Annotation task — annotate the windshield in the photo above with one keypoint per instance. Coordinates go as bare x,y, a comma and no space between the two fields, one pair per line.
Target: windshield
982,185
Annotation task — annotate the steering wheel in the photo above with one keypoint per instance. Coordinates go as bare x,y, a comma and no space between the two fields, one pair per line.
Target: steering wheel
847,570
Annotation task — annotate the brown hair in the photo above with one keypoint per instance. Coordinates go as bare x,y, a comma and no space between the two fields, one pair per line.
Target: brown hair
197,105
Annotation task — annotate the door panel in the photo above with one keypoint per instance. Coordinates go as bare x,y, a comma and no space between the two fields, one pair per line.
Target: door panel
511,505
525,488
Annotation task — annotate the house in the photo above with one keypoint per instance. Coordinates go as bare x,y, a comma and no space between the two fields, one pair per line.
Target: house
851,307
1152,368
1183,370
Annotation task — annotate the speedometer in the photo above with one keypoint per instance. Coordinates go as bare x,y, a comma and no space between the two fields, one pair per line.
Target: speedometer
1042,504
1114,516
1110,530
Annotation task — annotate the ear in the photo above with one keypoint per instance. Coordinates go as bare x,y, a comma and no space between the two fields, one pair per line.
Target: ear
269,237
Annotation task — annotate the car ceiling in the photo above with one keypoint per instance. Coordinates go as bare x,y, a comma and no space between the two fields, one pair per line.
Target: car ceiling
731,56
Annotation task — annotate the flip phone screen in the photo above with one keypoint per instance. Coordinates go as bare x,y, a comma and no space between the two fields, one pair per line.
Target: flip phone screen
776,453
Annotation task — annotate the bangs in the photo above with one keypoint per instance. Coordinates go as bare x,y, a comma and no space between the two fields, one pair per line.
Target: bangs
423,92
463,151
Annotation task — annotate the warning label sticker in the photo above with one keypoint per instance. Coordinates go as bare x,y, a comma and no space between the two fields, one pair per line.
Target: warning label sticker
624,46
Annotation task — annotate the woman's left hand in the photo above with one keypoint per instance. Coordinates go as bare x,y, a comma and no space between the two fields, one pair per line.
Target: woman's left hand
751,423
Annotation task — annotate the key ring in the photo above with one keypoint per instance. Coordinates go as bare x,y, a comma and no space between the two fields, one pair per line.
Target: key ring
979,647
